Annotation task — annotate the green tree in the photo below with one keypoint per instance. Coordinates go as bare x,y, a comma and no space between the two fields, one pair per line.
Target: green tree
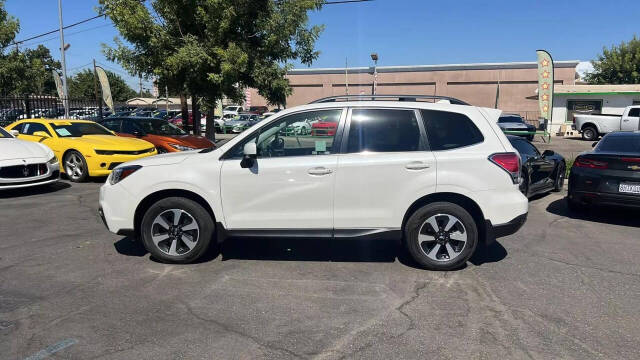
214,48
82,85
618,65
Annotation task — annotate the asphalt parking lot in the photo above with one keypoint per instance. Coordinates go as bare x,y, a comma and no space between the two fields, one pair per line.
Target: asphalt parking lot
565,286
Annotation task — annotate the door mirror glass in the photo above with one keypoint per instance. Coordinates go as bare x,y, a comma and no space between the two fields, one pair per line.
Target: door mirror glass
548,153
41,134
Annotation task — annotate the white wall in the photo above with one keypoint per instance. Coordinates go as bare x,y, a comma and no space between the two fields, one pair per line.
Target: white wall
611,104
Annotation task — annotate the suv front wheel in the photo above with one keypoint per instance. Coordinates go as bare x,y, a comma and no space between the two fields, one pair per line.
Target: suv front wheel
441,236
176,230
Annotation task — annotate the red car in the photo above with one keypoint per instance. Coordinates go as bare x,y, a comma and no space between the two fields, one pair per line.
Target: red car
177,120
324,128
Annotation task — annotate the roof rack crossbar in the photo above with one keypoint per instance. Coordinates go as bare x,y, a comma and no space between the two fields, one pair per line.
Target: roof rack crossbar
362,97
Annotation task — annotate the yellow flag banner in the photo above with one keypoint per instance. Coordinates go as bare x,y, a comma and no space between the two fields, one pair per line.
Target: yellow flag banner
545,84
106,89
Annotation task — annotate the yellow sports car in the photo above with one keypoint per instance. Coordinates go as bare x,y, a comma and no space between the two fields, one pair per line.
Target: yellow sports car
84,148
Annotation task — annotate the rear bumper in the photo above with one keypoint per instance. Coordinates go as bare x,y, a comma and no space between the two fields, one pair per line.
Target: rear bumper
505,229
604,199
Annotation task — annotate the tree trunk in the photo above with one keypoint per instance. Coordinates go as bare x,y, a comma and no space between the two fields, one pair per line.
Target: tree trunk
195,110
185,112
211,124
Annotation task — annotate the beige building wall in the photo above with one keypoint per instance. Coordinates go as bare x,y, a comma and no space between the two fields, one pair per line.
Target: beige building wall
474,83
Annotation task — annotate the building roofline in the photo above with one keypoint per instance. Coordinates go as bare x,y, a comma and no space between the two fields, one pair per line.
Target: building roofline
425,68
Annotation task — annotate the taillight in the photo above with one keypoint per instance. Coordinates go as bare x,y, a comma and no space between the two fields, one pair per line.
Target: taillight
590,164
509,162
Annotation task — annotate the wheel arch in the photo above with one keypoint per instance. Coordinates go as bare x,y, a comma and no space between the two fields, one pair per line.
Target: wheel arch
64,154
465,202
590,124
154,197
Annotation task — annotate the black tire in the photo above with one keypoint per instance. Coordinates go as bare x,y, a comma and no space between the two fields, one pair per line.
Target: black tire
530,137
560,175
418,251
524,186
205,231
75,166
161,150
590,133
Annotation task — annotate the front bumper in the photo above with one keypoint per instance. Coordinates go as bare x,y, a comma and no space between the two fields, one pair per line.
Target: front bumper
117,208
53,177
101,165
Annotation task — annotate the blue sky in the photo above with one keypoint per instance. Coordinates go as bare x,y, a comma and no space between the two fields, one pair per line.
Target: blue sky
402,32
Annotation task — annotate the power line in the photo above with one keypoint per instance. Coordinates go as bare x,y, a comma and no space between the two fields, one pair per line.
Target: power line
56,30
65,35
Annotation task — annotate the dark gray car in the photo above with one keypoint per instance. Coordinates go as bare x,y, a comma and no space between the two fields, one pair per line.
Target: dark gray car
514,122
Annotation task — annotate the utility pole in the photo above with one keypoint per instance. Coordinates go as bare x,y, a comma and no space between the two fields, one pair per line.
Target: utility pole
140,78
95,86
346,76
374,57
65,90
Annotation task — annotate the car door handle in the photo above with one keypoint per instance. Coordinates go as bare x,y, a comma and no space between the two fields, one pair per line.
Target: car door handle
417,165
320,170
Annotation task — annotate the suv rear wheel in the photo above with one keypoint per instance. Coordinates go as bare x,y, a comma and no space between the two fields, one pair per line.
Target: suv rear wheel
176,230
441,236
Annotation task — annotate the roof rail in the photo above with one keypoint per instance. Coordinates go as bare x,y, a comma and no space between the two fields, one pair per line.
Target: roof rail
339,98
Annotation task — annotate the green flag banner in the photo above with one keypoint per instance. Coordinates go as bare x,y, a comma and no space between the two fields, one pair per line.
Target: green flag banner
545,84
106,89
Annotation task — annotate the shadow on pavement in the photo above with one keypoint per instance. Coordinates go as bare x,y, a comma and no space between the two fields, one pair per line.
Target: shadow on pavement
604,215
488,254
130,247
36,190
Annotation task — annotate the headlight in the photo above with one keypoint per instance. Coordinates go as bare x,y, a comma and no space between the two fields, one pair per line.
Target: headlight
181,147
53,160
119,173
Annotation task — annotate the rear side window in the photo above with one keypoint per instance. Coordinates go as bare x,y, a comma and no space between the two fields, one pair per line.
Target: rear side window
524,148
448,130
383,130
30,128
634,112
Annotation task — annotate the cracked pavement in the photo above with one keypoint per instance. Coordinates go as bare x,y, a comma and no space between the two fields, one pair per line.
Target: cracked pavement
563,287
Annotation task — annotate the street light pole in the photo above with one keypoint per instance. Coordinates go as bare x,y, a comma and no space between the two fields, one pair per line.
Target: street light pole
374,57
65,90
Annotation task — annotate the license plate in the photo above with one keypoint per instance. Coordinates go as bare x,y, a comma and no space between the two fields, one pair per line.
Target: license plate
629,188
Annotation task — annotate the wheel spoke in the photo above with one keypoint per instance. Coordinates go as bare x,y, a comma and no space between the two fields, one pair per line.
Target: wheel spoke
158,238
162,222
176,216
450,250
434,251
452,221
174,245
425,237
189,241
458,236
434,224
191,226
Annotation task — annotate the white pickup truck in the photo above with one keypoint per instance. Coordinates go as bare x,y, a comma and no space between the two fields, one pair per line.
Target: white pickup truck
592,126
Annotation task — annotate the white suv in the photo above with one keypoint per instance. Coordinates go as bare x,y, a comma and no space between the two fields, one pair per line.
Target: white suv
441,176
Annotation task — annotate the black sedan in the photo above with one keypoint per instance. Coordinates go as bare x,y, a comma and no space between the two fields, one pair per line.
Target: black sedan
607,175
541,173
514,122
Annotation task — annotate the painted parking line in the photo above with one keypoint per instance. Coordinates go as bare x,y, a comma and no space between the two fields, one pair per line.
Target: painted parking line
52,349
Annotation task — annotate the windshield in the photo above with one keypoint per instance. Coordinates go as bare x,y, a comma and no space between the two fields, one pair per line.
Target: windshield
510,119
627,143
77,129
4,133
158,127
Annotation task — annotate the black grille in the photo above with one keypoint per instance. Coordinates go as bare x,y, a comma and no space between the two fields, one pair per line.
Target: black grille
120,152
54,175
23,171
114,164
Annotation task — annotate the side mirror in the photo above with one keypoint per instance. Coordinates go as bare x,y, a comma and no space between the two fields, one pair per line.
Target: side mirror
14,133
250,155
548,153
594,144
42,134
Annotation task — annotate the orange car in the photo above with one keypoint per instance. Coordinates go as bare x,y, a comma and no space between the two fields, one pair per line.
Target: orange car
164,135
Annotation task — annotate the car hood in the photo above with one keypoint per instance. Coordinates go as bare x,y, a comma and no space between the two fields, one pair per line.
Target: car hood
11,149
164,159
112,142
199,142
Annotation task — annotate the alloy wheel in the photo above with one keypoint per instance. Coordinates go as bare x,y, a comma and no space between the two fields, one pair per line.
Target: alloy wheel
175,232
442,237
74,166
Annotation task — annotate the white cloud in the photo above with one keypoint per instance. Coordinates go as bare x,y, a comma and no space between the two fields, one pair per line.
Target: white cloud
583,68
